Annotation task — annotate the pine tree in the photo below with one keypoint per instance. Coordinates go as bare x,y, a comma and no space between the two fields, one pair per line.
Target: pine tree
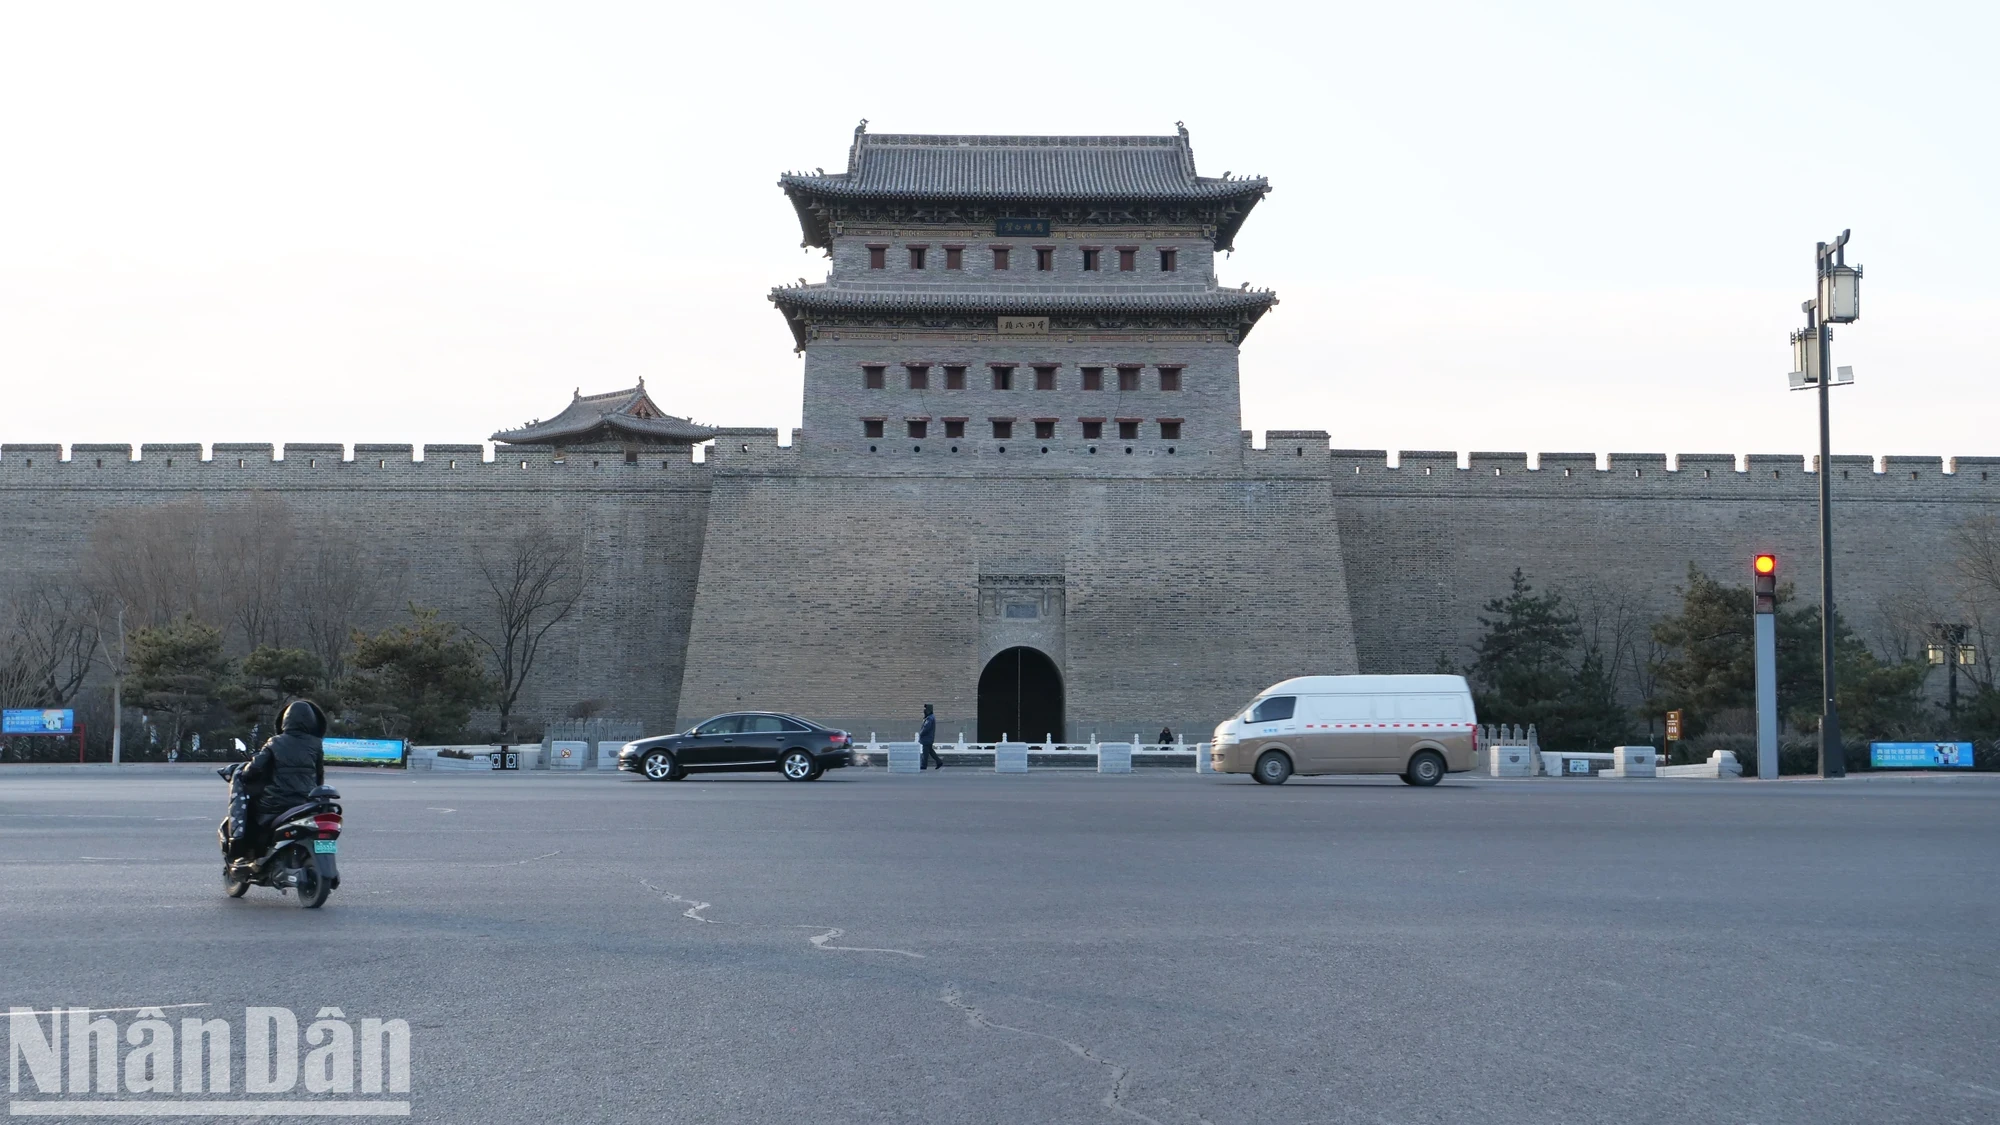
1531,667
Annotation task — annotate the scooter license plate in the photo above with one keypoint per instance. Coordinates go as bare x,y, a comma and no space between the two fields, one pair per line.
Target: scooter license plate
324,846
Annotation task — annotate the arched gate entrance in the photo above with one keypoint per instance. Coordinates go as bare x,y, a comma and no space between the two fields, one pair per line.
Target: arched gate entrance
1020,697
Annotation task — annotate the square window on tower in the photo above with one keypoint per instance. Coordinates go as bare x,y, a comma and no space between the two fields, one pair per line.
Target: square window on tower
1093,429
1170,378
954,378
1090,254
919,427
878,257
916,257
1045,428
954,257
1128,378
1000,256
1003,427
1093,378
1003,378
1128,430
1170,261
1045,378
1128,259
873,376
1045,258
954,427
920,375
1170,429
871,427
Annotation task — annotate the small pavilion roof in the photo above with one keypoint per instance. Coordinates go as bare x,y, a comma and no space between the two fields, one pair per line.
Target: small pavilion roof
612,416
914,167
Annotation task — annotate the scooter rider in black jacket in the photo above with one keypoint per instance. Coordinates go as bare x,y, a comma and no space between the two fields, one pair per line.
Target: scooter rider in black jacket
288,767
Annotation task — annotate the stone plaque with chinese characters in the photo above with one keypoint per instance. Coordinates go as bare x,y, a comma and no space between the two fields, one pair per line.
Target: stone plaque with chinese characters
1024,326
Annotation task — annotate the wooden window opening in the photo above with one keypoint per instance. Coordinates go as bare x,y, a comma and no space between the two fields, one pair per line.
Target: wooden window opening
1128,429
871,427
917,257
1045,428
1003,378
1045,378
954,427
1128,259
920,375
1090,254
954,378
1093,378
1045,258
1170,378
954,257
874,376
1169,261
1003,427
1093,429
878,257
1128,378
1000,257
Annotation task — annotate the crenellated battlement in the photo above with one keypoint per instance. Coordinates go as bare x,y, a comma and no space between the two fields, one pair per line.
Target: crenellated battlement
331,465
1307,453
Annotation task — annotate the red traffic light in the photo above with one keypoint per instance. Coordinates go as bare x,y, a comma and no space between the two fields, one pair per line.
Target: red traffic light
1765,564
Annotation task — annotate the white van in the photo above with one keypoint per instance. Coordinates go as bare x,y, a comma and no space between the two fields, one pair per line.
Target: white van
1419,727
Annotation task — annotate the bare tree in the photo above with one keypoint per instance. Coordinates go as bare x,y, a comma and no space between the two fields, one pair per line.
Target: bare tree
249,553
50,642
149,560
533,584
333,593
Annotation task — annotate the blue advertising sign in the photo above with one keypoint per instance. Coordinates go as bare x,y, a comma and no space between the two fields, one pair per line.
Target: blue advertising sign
37,721
373,751
1920,755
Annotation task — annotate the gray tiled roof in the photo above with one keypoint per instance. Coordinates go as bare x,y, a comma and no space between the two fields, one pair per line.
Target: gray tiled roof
800,302
613,413
900,165
1023,301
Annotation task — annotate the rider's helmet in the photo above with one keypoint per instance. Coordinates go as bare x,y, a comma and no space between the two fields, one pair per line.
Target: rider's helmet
305,717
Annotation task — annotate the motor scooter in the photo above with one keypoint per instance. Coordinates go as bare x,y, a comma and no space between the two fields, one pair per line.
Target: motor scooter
297,856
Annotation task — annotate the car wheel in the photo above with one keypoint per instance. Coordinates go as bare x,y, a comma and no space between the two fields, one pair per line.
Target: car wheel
797,765
660,766
1273,768
1427,768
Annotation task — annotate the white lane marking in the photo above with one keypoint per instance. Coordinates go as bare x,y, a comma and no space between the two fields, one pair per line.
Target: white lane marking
434,808
66,1011
515,863
1113,1099
820,942
695,907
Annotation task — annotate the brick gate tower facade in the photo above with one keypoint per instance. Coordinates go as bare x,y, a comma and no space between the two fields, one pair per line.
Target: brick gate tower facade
1020,489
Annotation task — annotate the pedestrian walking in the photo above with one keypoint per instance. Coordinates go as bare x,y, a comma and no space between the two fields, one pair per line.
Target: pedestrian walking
927,738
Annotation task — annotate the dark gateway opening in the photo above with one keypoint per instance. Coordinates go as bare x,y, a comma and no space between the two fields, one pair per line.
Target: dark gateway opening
1020,697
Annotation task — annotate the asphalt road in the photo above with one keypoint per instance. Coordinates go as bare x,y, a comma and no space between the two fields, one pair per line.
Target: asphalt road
961,947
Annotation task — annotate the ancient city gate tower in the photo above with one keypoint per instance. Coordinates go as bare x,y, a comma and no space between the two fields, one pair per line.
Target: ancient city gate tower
1019,493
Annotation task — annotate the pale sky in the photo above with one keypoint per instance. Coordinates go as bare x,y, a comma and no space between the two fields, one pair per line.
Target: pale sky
1558,227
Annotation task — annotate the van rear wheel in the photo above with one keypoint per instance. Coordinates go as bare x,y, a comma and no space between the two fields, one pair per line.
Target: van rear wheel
1426,768
1273,768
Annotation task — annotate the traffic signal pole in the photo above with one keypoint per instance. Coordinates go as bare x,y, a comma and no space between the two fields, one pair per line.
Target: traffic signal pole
1764,583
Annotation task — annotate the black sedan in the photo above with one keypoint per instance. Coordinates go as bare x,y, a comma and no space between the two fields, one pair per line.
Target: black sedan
739,742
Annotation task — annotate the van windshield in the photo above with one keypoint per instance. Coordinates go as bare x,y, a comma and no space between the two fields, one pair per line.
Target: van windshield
1274,709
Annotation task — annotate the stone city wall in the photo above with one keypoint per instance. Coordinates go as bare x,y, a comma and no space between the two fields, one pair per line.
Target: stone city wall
424,524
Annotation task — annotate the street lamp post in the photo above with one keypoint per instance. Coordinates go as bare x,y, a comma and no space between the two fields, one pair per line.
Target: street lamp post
1836,301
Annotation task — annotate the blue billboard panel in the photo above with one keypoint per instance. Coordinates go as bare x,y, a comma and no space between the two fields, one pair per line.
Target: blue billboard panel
1920,755
37,721
374,751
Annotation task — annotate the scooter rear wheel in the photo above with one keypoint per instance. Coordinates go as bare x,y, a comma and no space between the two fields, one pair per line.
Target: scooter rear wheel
234,885
310,888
